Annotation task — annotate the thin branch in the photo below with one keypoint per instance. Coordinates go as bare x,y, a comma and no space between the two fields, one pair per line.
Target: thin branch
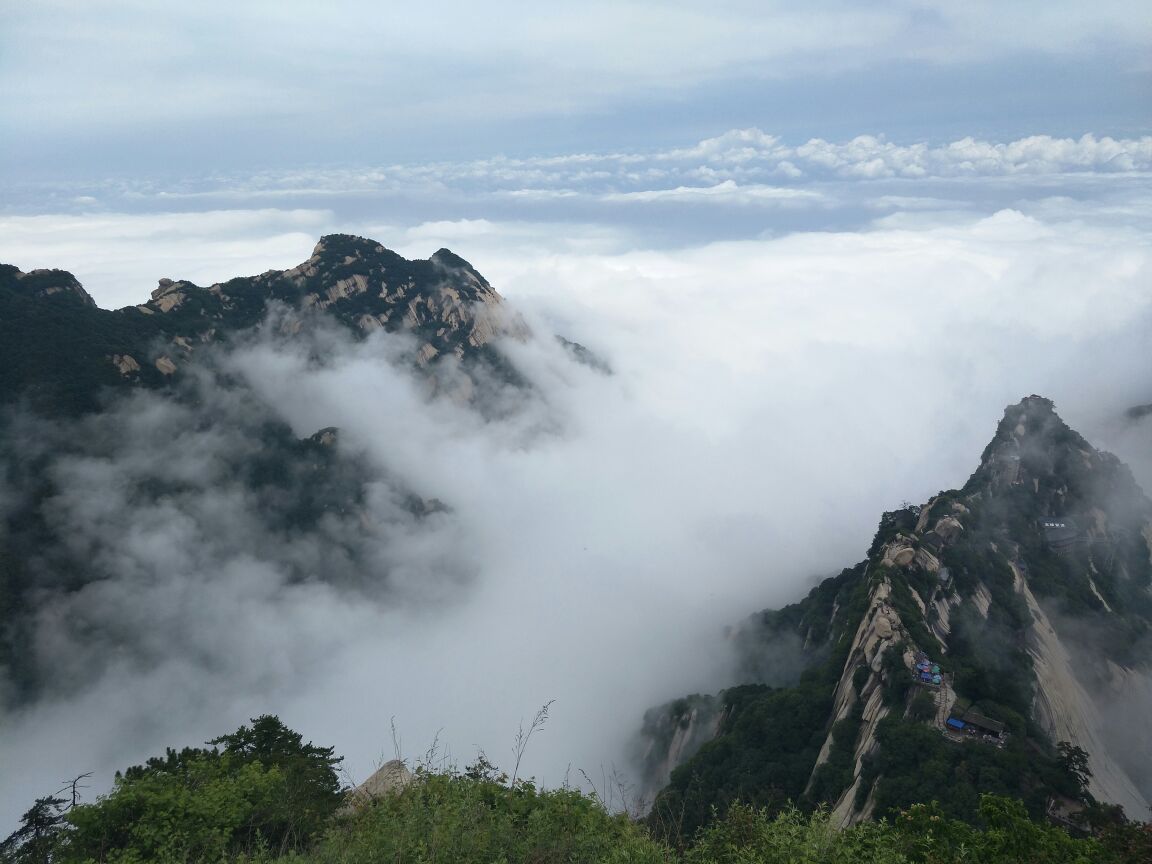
522,737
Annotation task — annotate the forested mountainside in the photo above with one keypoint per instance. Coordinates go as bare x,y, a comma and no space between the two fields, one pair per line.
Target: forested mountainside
116,426
994,640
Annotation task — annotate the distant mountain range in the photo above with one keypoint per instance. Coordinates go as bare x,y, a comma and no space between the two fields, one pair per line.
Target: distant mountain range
994,639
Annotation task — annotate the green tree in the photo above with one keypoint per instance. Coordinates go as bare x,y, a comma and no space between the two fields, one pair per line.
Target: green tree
213,806
1074,761
259,788
310,791
38,836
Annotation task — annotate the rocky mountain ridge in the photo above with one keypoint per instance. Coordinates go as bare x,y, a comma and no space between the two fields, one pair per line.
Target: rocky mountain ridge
145,410
984,627
59,350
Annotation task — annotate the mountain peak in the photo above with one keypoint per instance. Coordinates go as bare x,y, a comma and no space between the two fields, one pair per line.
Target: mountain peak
347,245
40,284
1032,442
448,258
1032,414
984,627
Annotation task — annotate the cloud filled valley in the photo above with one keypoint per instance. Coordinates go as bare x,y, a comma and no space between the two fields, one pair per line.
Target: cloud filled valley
770,396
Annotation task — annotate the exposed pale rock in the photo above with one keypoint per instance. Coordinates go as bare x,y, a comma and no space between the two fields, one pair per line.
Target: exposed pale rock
125,363
168,302
687,738
165,365
927,560
925,514
867,648
903,556
982,599
1096,591
949,529
54,282
942,625
1069,713
918,600
345,288
388,779
368,323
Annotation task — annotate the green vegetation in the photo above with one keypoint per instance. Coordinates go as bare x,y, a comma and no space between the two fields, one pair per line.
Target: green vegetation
760,759
1000,833
261,795
477,818
260,788
915,763
835,775
56,349
910,614
769,740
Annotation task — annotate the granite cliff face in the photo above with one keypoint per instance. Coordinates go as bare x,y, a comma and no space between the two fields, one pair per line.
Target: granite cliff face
984,627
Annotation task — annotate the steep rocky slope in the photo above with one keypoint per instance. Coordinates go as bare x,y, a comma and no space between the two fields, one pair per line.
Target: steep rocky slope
984,627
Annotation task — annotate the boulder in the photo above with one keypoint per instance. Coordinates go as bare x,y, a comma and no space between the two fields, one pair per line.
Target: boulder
388,779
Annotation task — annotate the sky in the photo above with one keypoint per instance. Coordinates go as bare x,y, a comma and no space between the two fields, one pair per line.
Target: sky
821,247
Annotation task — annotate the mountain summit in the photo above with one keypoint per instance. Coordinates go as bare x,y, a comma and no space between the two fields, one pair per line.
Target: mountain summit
60,351
994,640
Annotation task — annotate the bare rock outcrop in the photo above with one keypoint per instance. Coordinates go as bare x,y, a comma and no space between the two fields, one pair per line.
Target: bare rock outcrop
391,777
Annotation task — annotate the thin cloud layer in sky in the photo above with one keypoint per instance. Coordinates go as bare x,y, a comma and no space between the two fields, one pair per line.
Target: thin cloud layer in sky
192,86
119,236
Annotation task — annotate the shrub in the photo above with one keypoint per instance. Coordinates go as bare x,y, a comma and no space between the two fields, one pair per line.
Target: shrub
475,819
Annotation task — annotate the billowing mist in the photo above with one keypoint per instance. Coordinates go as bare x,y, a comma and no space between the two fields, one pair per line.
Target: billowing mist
770,396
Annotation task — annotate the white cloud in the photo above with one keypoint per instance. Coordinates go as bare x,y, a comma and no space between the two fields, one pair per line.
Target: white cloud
739,156
210,228
137,66
727,192
771,398
118,258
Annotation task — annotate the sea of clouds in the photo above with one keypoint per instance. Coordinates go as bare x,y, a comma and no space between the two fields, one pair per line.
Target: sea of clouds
800,336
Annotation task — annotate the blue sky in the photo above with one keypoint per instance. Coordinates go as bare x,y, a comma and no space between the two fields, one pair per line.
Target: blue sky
129,87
